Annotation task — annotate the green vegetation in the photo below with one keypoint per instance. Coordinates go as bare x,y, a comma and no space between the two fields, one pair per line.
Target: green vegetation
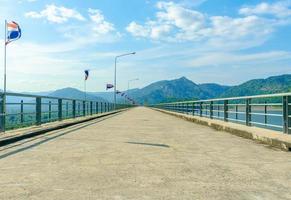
183,89
272,85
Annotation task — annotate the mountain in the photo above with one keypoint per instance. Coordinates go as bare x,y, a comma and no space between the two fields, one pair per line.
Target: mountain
182,89
38,93
73,93
271,85
213,89
176,90
109,96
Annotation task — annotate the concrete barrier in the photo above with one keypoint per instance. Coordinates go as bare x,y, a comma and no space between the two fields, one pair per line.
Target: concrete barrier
265,136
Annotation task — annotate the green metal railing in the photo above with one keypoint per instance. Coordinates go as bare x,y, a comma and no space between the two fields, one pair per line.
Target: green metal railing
22,110
266,111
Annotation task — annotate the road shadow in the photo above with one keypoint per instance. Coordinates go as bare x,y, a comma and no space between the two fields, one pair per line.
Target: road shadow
149,144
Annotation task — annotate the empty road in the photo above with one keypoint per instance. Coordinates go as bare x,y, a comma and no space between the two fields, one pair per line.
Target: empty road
143,154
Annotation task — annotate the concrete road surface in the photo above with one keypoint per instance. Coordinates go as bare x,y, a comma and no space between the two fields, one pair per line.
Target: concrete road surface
143,154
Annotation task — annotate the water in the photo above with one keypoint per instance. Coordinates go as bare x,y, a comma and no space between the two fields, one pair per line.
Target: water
273,122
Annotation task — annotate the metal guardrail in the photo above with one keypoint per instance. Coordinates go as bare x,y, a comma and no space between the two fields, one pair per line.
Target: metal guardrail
22,110
266,111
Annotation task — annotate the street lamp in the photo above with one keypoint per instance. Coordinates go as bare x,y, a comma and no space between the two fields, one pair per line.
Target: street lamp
115,86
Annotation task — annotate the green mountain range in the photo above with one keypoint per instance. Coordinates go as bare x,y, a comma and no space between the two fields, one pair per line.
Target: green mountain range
271,85
73,93
176,90
185,89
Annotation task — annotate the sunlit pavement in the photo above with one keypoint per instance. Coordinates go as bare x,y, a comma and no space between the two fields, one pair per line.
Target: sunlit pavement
143,154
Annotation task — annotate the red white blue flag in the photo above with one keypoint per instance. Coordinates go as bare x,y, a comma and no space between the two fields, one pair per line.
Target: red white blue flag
109,86
13,32
86,75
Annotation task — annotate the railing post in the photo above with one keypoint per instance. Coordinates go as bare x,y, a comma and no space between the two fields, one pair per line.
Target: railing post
193,109
38,111
91,107
265,112
60,109
67,109
105,106
236,110
3,113
225,110
211,110
248,112
101,110
21,112
74,108
50,110
79,109
84,108
287,114
206,111
97,108
201,109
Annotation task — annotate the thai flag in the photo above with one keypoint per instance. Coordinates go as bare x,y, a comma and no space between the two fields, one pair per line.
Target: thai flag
86,75
109,86
13,32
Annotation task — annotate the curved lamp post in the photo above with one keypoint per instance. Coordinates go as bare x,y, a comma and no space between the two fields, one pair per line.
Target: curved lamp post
115,86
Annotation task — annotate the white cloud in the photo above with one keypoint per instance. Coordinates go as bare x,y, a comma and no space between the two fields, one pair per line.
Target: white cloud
183,18
170,16
235,28
189,3
96,30
138,30
101,26
279,9
175,22
227,58
56,14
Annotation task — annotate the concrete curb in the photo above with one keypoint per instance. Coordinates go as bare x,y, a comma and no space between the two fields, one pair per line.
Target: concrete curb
265,136
48,128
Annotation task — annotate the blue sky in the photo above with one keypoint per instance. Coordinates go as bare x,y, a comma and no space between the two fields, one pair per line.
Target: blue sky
222,41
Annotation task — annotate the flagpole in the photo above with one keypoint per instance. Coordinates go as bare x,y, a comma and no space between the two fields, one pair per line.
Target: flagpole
4,90
5,56
85,88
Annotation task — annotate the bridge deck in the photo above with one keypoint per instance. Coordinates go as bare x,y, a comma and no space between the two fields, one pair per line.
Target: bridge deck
143,154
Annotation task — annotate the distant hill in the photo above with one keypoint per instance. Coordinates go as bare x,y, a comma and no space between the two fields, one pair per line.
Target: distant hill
73,93
182,89
213,89
176,90
271,85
